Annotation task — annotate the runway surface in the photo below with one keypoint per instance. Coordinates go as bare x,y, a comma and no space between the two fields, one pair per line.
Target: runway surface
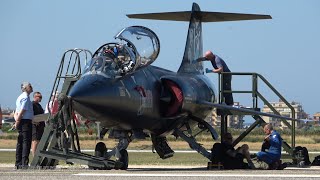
156,172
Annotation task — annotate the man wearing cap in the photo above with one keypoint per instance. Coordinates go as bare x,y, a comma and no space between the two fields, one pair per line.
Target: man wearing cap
220,66
23,117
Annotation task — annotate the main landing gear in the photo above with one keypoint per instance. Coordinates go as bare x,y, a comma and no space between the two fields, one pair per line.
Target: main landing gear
119,152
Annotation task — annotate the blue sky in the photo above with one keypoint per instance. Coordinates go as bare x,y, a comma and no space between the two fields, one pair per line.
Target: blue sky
285,50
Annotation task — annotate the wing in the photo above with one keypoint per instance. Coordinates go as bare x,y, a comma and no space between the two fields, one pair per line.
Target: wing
243,111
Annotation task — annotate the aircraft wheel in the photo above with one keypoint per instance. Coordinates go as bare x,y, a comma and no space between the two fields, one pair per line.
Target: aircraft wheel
100,149
47,163
124,159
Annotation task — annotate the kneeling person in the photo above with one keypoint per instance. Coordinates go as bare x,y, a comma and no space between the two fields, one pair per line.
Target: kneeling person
274,141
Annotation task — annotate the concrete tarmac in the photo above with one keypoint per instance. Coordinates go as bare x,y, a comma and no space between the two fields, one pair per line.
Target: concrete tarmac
7,172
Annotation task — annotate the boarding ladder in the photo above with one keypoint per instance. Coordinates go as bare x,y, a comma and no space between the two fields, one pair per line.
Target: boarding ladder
70,69
49,150
256,95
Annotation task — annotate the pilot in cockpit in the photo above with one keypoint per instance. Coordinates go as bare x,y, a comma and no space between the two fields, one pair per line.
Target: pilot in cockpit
125,65
118,59
125,62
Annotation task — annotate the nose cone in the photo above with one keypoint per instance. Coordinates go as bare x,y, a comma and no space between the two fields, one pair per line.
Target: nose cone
89,93
89,86
96,98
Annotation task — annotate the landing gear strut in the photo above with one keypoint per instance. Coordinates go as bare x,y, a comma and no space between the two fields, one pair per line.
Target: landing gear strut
119,152
60,141
192,135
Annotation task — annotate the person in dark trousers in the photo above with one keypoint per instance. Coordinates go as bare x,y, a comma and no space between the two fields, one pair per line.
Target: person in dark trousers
23,117
220,66
233,158
274,141
37,127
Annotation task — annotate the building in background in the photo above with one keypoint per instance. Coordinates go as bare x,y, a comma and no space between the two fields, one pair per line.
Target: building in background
316,118
237,121
284,110
234,121
7,113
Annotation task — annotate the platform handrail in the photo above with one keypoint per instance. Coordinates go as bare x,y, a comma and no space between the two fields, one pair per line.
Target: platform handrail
256,94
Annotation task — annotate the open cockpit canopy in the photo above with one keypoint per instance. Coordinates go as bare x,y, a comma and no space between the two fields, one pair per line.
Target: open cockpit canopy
138,47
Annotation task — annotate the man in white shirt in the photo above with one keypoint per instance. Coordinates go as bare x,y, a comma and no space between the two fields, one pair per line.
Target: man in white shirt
23,117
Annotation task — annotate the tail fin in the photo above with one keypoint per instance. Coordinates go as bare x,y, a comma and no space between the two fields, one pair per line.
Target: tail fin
193,49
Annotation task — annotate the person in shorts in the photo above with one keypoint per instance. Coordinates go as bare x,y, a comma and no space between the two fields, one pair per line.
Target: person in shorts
37,127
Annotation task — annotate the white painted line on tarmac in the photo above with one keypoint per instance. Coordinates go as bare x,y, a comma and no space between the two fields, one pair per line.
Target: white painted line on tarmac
177,151
91,150
129,150
204,175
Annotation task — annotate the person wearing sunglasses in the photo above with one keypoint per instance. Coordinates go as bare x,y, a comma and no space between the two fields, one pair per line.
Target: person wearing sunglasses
37,127
233,158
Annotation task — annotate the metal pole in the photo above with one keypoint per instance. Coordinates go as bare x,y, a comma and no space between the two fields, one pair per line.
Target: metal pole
98,129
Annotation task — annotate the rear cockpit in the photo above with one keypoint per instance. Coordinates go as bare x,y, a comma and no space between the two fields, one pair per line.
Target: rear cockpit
138,47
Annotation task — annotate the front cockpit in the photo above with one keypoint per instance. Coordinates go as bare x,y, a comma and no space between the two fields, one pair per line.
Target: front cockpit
112,60
138,47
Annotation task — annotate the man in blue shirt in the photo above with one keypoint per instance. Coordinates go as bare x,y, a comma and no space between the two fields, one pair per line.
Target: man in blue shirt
273,155
23,116
220,66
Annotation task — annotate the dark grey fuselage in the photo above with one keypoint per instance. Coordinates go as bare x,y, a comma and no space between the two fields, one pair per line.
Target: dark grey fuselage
134,101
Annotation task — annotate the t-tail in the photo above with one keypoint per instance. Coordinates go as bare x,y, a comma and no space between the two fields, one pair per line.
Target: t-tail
194,46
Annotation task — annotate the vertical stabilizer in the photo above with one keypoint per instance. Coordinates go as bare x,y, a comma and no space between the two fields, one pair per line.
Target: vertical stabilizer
193,49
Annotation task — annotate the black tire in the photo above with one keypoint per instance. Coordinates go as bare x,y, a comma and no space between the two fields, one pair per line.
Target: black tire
48,163
100,149
124,159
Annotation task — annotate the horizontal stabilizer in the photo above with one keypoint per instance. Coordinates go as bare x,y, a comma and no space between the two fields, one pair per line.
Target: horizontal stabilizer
235,110
204,16
173,16
220,16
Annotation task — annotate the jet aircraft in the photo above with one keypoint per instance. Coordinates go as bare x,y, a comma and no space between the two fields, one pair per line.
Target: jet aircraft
133,99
